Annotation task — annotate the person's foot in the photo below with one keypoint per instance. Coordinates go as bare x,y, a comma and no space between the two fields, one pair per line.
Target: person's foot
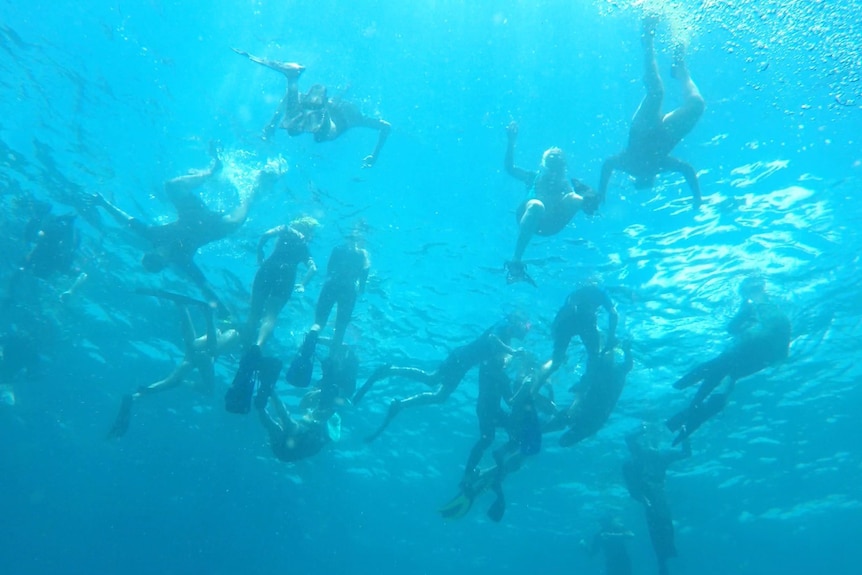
291,70
517,272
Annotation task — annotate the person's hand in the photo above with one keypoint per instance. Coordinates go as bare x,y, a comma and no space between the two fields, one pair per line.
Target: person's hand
299,288
369,161
512,130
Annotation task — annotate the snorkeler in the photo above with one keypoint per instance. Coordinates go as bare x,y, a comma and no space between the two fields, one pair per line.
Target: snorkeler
645,473
611,541
292,439
525,440
274,282
490,346
346,276
176,243
595,397
761,334
554,200
652,136
315,113
200,354
578,316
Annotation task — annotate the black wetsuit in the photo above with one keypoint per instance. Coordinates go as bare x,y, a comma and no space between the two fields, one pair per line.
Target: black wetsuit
347,267
597,395
645,474
578,317
762,334
56,241
613,546
277,275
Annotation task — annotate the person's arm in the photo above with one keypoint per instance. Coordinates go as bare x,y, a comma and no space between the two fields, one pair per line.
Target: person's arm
611,164
746,314
120,216
613,320
509,161
264,238
363,276
383,128
676,165
672,456
310,271
503,348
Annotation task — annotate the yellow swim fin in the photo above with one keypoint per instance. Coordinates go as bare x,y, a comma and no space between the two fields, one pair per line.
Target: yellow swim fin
457,508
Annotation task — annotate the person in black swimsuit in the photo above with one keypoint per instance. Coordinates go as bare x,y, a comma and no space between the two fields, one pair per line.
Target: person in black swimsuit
761,334
315,113
493,343
275,280
653,136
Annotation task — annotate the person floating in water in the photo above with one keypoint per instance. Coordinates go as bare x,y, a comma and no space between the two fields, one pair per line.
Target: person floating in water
200,354
579,316
176,243
492,344
653,136
595,397
315,113
645,473
554,200
761,334
294,438
525,440
346,276
611,541
275,280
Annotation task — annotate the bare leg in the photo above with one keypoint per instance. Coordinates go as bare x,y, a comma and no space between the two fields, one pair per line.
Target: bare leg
648,113
680,122
180,190
527,227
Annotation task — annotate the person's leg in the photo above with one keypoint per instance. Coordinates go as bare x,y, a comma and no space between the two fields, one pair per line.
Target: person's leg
264,182
680,121
487,432
427,398
527,227
271,309
171,381
325,302
648,113
591,339
180,190
346,303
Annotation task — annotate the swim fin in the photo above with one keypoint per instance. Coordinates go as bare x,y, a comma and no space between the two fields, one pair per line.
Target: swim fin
124,417
302,366
497,509
238,396
267,373
457,507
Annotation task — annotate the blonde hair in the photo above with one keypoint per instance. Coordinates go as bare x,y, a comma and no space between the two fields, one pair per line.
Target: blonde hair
305,225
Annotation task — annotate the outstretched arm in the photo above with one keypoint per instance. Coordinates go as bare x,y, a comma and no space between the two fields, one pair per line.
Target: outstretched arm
383,128
310,271
676,165
120,216
509,161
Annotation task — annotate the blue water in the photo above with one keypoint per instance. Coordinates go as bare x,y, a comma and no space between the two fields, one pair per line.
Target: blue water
117,97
